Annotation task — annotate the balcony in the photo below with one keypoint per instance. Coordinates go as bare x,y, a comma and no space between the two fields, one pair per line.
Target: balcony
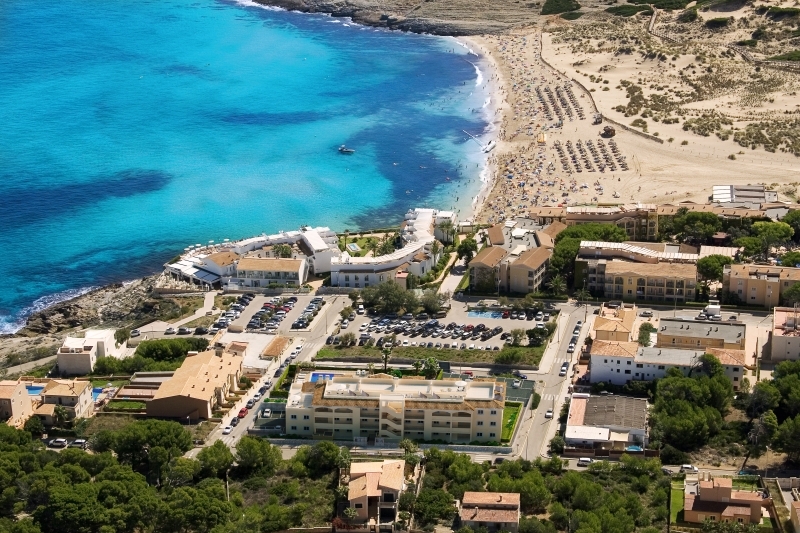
462,425
415,416
320,420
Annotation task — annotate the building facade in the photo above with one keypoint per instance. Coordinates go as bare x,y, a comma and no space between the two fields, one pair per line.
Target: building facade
15,403
74,396
381,407
717,501
621,362
257,272
77,356
785,335
374,491
757,284
688,333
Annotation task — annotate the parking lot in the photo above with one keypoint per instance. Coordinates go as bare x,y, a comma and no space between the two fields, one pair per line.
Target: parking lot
480,330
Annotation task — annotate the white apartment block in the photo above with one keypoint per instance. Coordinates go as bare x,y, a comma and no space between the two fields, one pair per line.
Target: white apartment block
77,356
620,362
360,409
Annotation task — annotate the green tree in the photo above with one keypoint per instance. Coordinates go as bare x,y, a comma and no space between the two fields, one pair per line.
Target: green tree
350,512
644,333
433,505
516,336
60,416
257,455
567,244
386,356
791,295
122,335
772,234
696,226
34,426
448,231
467,249
751,246
557,285
354,296
787,439
408,446
430,368
764,397
710,267
792,218
282,250
435,249
215,459
348,339
790,259
430,302
181,471
345,313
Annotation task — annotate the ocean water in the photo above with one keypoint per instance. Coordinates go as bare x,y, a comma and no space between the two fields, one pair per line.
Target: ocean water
132,129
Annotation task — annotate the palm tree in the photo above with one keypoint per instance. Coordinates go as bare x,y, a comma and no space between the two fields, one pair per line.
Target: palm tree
448,230
582,295
386,355
557,285
417,366
60,415
371,368
435,249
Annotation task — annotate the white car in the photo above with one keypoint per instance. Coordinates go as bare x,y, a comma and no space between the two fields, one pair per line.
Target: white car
227,430
345,323
58,443
363,327
405,342
549,413
135,333
471,346
257,396
267,413
517,384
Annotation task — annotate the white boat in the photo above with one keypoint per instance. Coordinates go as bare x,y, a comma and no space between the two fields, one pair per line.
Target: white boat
489,147
345,150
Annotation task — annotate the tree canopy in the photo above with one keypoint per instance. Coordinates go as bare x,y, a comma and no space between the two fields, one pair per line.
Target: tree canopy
710,267
567,244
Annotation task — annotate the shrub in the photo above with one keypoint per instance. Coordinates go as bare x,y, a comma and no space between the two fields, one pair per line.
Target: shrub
571,15
748,42
789,56
554,7
690,15
717,23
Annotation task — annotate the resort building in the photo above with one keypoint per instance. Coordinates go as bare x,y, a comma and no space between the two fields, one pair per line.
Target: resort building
717,501
374,491
757,284
202,382
415,257
606,422
618,363
614,324
221,264
321,246
785,335
15,403
74,396
363,409
495,511
688,333
756,194
484,269
258,272
622,280
77,356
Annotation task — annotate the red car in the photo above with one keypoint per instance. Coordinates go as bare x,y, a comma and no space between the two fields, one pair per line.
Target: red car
243,412
505,314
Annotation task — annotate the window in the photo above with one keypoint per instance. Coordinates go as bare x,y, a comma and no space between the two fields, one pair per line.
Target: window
359,505
306,428
294,428
492,434
480,422
480,411
294,417
347,278
628,362
661,367
479,434
492,423
605,360
493,412
639,365
627,371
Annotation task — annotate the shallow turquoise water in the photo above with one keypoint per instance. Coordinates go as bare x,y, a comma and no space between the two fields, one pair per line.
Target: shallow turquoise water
133,129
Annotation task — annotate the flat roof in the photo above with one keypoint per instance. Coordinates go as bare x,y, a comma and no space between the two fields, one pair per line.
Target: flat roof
315,241
264,264
611,411
660,270
587,433
682,327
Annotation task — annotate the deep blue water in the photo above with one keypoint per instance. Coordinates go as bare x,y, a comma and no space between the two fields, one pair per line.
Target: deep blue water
133,129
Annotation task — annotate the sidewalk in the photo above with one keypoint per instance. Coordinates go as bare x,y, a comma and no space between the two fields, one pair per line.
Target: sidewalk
551,351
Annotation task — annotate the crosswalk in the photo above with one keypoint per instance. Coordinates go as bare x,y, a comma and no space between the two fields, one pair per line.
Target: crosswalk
549,397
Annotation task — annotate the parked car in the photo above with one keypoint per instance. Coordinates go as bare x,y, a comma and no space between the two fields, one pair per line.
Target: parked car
571,348
235,421
227,430
243,412
201,331
267,413
169,331
78,443
584,461
58,443
689,469
135,333
250,403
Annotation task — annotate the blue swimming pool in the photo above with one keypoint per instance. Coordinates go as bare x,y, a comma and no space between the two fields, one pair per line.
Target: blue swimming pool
34,390
485,314
96,391
320,376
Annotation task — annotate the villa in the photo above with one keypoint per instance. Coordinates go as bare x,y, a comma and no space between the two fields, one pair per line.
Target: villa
374,490
77,356
717,501
381,408
496,511
16,405
74,396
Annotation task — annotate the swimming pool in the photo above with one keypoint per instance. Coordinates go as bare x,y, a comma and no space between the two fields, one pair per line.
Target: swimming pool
485,314
34,390
320,376
96,391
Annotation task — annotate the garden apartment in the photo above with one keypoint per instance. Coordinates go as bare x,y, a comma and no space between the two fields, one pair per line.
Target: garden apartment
364,409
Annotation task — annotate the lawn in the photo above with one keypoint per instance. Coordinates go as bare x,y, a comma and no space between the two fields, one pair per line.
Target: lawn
507,355
510,416
676,506
125,405
202,322
746,483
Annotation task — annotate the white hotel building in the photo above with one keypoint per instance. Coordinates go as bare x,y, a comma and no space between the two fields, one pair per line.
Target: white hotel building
359,409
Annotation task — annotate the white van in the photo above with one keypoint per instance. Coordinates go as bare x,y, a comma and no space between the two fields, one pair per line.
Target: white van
584,461
689,469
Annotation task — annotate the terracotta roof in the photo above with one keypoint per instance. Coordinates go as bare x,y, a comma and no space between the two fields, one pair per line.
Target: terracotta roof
662,270
532,259
200,375
495,234
368,478
482,498
554,229
59,387
366,485
544,240
489,257
743,495
785,273
606,324
476,514
222,258
733,510
269,264
392,475
7,389
614,348
728,357
47,409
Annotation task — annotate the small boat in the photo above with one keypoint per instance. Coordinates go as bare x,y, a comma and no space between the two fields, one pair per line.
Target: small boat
345,150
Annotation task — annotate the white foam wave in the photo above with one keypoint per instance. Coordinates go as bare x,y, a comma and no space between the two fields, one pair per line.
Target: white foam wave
12,324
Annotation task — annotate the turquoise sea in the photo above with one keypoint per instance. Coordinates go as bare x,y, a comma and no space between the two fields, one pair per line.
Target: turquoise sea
132,129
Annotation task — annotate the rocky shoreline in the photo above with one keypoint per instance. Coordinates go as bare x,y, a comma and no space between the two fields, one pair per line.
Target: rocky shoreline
385,16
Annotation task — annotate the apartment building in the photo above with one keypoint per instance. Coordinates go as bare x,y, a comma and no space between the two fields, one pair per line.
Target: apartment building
694,334
614,324
606,421
78,355
363,409
620,362
785,335
495,511
15,403
717,501
257,272
645,282
374,492
484,269
74,396
202,382
759,284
